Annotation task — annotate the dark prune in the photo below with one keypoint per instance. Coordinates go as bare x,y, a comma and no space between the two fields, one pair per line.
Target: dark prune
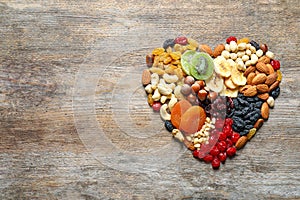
169,126
275,93
255,44
258,104
168,43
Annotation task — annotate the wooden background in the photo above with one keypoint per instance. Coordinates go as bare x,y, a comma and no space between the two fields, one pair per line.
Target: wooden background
74,121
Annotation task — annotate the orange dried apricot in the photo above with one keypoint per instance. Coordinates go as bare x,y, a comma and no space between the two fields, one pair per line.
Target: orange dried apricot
192,120
178,110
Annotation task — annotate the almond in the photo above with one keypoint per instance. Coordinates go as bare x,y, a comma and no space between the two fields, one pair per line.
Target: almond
262,67
270,68
250,78
243,89
264,59
241,142
259,78
146,77
218,50
263,96
258,123
265,111
249,70
274,85
262,88
205,48
251,91
271,78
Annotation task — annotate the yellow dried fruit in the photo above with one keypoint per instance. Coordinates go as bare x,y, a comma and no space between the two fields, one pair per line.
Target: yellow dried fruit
243,40
158,51
279,75
251,133
191,47
193,42
175,55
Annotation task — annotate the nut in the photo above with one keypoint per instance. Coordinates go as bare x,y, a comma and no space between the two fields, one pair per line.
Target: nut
259,78
178,135
250,77
264,59
177,92
263,96
163,99
205,48
258,123
270,68
164,113
262,88
241,142
172,102
265,111
164,89
146,77
251,91
156,95
271,102
149,89
218,50
154,80
157,70
170,78
271,78
262,67
249,70
270,55
244,88
274,85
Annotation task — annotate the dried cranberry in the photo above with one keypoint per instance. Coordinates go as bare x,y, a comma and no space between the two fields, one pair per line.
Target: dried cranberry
275,64
215,163
222,157
222,136
196,153
228,130
222,146
156,106
229,143
214,151
208,158
228,121
235,137
231,151
231,38
181,40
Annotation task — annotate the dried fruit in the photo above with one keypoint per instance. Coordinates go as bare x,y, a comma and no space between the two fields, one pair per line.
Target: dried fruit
275,64
251,133
178,110
192,120
231,151
231,38
181,40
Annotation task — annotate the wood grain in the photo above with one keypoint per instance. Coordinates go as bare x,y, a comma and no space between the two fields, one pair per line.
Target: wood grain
66,67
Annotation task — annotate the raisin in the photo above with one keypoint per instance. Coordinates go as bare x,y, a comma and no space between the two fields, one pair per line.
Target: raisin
243,102
169,126
244,132
248,122
246,110
255,44
275,93
238,113
248,127
168,43
255,117
258,104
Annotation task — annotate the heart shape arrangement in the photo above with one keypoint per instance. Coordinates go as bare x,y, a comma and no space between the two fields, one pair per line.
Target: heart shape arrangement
213,101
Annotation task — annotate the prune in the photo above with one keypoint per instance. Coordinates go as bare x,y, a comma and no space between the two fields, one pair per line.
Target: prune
275,93
255,44
168,43
169,126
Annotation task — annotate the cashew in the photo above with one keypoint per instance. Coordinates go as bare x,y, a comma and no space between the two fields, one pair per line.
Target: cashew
157,70
270,55
154,79
170,78
163,99
149,89
178,135
172,102
156,96
171,86
163,89
164,113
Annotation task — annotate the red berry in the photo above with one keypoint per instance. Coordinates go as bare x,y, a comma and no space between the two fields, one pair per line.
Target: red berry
231,38
208,158
228,121
214,151
215,163
235,137
181,40
222,146
196,153
156,106
229,143
231,151
228,130
222,157
275,64
222,136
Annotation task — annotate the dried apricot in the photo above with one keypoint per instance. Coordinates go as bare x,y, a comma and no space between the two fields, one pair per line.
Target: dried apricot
178,110
192,120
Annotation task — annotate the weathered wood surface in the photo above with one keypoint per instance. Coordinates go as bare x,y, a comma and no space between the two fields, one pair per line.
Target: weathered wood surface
74,122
